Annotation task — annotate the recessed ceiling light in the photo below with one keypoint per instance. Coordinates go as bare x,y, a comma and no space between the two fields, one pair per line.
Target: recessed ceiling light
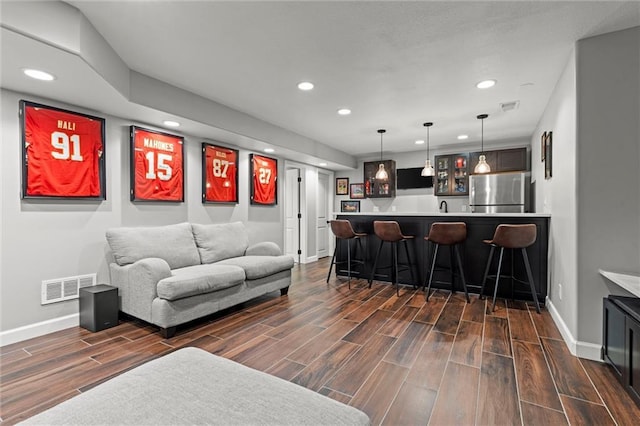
485,84
171,123
269,150
344,111
322,164
305,85
38,75
463,137
420,142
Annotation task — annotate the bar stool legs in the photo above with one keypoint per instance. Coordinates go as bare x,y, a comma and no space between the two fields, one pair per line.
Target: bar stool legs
513,237
389,231
451,234
343,231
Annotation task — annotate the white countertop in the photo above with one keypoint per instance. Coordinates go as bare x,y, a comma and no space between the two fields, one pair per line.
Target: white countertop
453,214
631,283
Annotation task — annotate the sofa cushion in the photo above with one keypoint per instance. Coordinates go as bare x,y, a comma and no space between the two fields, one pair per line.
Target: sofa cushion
220,241
260,266
199,279
172,243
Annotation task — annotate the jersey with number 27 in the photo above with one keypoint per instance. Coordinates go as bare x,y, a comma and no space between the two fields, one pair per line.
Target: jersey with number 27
63,153
264,180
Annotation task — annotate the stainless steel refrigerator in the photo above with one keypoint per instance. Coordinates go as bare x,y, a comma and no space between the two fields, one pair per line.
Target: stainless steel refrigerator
499,193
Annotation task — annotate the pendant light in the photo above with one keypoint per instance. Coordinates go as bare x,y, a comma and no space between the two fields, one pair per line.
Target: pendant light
381,174
482,166
428,168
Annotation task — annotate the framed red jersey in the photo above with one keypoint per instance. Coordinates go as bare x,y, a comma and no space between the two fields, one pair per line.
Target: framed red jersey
219,174
157,164
62,152
264,180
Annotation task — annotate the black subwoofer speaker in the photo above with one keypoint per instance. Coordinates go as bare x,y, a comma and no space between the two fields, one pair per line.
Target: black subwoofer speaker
98,307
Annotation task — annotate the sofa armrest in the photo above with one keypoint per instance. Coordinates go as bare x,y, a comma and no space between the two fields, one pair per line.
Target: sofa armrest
137,284
266,248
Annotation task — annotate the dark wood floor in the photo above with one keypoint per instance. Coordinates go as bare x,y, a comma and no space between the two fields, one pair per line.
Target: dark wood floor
399,359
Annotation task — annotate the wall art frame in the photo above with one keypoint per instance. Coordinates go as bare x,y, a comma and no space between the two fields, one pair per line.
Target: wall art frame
342,186
349,206
219,174
63,153
264,180
157,166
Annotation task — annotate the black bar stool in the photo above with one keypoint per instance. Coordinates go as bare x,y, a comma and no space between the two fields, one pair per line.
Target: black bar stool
388,231
447,234
511,237
343,230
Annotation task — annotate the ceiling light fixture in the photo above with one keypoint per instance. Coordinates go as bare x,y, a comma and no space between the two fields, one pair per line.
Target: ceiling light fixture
482,166
485,84
428,168
420,142
171,123
305,86
381,174
463,137
269,150
344,111
38,74
322,164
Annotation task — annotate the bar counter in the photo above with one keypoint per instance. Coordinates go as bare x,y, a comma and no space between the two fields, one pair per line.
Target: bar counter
480,226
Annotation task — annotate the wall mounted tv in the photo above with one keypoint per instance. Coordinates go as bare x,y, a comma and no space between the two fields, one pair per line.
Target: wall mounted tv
411,178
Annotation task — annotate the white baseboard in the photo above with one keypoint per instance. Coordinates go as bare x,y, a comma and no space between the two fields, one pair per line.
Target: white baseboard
38,329
586,350
310,259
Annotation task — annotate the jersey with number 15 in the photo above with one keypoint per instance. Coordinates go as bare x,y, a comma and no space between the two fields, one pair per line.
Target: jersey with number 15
158,166
63,153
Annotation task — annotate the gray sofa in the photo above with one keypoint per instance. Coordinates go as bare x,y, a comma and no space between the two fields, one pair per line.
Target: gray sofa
169,275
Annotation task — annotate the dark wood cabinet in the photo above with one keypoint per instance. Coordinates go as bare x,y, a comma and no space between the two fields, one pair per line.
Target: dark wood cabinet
452,174
502,160
621,341
379,189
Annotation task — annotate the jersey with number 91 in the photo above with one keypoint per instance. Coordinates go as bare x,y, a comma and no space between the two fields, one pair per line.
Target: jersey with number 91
265,171
221,171
158,166
63,153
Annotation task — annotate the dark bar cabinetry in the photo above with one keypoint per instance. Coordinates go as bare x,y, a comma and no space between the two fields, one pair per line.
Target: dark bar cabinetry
473,251
621,341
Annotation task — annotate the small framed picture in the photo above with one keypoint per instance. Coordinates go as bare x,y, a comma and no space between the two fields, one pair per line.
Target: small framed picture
356,191
548,156
543,143
342,186
348,206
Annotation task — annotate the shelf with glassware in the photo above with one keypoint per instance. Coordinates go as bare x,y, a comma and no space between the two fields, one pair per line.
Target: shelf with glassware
379,188
452,174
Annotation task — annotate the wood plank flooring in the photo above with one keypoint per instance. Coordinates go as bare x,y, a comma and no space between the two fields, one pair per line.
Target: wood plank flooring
399,359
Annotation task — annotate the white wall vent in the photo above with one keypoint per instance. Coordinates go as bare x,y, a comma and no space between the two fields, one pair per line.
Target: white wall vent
65,288
509,106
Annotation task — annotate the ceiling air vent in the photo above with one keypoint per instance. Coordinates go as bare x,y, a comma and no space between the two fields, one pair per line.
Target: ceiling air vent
67,288
509,106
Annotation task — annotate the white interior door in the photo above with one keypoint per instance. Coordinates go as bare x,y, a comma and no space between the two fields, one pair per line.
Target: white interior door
322,216
292,214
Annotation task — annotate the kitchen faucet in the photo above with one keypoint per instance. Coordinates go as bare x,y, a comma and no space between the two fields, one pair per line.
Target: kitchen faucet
446,209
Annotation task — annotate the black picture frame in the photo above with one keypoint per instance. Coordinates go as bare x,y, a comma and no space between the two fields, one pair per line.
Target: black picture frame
548,154
356,191
162,193
543,146
342,186
65,124
349,206
269,178
231,172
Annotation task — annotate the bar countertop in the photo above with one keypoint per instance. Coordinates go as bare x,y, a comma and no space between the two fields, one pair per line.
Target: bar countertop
452,214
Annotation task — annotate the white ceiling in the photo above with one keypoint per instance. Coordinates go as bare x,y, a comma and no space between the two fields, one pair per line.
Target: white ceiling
395,64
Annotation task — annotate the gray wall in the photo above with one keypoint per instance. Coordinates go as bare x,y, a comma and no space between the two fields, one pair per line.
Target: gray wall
608,179
53,239
557,195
